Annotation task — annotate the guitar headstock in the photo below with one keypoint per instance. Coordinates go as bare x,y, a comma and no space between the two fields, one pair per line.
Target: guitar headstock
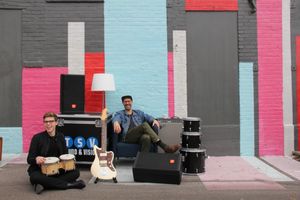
103,114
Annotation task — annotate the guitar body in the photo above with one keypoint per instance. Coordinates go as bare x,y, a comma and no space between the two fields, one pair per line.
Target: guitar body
102,167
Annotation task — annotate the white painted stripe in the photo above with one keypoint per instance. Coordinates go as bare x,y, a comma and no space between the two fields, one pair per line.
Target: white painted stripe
266,169
287,80
180,74
76,47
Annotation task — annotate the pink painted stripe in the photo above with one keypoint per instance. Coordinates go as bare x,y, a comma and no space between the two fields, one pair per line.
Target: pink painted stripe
40,93
171,85
234,173
269,38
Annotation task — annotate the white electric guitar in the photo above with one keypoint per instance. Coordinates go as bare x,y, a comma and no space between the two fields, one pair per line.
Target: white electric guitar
102,167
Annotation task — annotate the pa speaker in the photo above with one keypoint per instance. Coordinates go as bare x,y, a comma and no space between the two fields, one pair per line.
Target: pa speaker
71,94
157,168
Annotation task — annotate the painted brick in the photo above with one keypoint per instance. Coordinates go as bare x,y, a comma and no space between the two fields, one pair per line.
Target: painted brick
45,25
295,32
269,27
211,5
94,63
76,48
47,45
246,91
298,83
171,85
12,139
175,19
287,80
247,30
41,93
136,53
180,73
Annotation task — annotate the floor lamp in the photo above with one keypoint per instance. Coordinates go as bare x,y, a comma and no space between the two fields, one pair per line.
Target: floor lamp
102,167
103,82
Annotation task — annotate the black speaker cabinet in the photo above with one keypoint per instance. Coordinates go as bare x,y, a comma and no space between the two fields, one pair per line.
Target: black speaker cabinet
71,94
157,168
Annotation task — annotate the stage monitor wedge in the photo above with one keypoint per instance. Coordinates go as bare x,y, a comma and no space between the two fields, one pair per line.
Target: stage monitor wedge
72,94
157,168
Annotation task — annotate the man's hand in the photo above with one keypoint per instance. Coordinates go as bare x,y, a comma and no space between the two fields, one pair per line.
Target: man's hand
117,127
40,160
155,122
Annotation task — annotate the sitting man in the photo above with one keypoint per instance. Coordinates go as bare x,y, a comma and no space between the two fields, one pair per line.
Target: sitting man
136,128
50,143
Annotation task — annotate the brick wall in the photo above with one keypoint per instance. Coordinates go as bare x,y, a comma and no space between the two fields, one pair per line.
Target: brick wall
295,31
44,44
136,53
12,140
45,25
175,19
247,24
269,33
40,94
44,40
210,5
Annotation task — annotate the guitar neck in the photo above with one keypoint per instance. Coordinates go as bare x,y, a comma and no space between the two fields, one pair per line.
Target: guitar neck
103,135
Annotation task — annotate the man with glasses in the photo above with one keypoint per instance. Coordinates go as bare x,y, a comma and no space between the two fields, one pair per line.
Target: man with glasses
50,143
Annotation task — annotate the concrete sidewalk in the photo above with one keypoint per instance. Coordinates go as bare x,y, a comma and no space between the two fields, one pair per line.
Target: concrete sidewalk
227,172
228,178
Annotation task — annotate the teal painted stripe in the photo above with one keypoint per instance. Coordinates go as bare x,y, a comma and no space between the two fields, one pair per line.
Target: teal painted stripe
266,169
12,139
246,109
136,53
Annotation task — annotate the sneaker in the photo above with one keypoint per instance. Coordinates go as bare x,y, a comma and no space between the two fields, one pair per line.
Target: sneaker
38,188
172,148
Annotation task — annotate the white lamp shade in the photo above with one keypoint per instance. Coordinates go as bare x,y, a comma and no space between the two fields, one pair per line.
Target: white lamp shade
103,82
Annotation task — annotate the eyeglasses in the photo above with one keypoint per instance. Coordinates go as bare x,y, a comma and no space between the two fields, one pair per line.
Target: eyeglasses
49,121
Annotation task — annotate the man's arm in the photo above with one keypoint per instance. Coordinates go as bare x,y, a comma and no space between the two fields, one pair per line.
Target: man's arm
33,157
117,122
64,145
151,120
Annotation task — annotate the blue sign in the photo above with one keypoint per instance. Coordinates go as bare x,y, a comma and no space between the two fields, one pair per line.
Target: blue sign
69,141
79,142
91,141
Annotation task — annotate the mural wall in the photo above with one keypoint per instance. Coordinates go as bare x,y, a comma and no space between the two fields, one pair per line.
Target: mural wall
145,44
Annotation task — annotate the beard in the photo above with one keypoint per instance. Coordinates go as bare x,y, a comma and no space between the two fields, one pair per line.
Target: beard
127,107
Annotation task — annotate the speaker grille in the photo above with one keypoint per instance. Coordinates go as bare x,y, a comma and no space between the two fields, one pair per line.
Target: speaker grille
71,94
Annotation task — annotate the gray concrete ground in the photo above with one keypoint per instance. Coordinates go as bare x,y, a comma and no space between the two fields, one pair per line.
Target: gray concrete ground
213,184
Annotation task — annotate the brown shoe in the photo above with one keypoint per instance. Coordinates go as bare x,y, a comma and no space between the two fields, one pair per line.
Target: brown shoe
172,148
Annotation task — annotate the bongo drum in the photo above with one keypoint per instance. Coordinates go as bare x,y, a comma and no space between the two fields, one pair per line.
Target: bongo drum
191,124
191,139
50,166
67,162
193,160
